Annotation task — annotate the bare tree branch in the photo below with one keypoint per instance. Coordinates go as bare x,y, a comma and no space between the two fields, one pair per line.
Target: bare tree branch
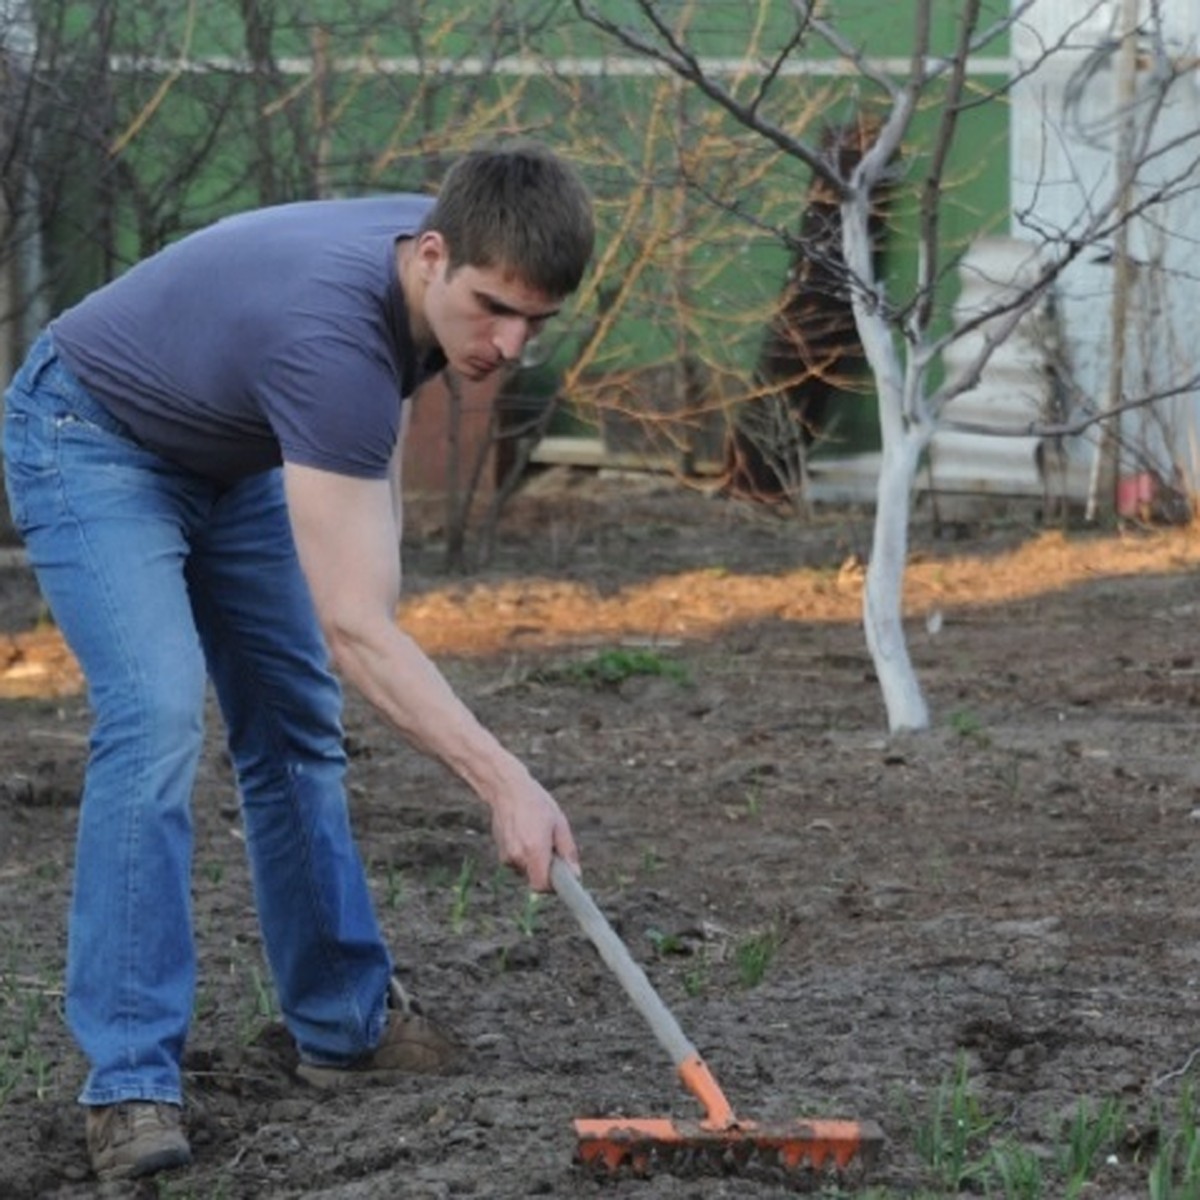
686,65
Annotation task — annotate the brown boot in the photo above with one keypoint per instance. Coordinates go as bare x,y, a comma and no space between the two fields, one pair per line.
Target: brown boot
411,1045
135,1138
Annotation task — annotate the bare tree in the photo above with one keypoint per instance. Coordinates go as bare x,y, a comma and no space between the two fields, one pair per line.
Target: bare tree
127,125
903,337
20,250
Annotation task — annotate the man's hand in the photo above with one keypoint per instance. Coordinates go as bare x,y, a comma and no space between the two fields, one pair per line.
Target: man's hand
529,827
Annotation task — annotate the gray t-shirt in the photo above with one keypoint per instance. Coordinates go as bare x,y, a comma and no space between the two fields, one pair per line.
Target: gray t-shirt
275,334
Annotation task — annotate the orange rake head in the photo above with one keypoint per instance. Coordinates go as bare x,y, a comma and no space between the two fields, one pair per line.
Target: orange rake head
648,1144
721,1141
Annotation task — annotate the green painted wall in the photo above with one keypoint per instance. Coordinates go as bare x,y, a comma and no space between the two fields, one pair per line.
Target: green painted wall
681,271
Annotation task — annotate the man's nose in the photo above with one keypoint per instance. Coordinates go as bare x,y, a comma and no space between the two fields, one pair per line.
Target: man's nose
512,332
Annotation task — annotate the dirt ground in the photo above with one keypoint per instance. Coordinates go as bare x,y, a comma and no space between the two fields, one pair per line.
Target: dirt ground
837,918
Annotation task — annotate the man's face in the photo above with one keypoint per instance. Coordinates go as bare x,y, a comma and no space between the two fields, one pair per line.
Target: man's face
482,317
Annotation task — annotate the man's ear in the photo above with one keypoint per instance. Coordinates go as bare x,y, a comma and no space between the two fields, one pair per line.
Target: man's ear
431,253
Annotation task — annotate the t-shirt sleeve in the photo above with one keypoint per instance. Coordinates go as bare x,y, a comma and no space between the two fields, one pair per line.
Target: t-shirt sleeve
333,405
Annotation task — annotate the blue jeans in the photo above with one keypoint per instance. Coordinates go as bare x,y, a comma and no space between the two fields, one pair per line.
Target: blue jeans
158,578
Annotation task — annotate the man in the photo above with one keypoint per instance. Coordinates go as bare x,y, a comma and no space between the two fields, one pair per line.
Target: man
203,460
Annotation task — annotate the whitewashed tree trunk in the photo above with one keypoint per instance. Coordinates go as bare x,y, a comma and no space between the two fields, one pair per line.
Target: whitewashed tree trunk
905,429
883,591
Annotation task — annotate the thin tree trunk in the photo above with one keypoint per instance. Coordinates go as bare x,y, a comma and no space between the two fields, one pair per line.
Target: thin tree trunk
905,431
884,587
259,32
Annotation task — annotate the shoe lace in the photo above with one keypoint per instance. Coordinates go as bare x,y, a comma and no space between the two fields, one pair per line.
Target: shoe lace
118,1122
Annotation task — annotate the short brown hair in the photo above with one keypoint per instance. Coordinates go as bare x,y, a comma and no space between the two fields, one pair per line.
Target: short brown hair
519,208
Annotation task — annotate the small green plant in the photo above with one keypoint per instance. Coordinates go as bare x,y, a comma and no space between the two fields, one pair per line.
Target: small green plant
965,724
264,996
20,1059
462,895
393,886
665,943
695,978
611,668
261,1008
39,1071
950,1141
527,917
751,806
1015,1173
1175,1171
1089,1135
753,801
754,955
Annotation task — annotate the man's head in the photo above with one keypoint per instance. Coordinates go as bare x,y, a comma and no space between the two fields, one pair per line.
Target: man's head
508,239
520,210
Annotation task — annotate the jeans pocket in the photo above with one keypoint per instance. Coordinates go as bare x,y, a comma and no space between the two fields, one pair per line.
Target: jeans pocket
84,429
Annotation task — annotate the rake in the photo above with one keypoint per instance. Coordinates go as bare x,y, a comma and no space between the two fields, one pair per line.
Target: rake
719,1140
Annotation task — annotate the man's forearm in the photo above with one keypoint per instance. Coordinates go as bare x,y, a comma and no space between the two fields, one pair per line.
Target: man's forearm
396,676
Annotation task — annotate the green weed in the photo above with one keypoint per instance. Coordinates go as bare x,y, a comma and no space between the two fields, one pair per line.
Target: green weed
753,802
754,955
264,995
695,979
21,1059
527,917
951,1139
461,900
1090,1134
1175,1171
665,943
261,1008
393,886
965,723
611,668
1015,1173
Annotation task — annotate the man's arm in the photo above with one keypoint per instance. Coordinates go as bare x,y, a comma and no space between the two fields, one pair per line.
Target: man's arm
347,539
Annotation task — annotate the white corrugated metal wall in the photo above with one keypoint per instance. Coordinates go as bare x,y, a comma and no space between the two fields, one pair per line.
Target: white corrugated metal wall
1066,119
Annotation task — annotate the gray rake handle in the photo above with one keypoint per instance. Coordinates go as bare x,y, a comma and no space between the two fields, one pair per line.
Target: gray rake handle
616,954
